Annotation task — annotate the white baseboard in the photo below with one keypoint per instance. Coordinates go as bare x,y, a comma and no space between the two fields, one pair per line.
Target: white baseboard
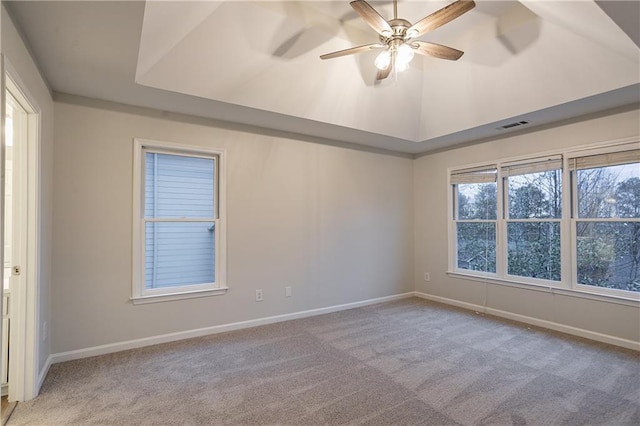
181,335
43,373
605,338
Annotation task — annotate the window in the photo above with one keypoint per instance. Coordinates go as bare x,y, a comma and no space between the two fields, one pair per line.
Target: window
568,220
179,235
533,215
475,195
607,220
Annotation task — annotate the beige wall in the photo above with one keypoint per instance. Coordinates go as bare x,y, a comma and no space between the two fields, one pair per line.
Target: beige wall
335,224
19,60
431,230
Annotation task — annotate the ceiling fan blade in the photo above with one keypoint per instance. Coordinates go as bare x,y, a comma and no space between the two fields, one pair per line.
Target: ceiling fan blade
353,50
437,50
440,17
382,74
371,17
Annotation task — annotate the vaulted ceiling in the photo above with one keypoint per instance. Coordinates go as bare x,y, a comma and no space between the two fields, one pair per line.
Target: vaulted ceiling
257,63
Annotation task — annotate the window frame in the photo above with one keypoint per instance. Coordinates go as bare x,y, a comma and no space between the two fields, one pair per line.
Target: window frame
140,294
506,217
454,219
568,247
575,218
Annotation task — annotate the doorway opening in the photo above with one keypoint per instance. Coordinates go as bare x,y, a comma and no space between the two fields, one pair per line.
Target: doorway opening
19,290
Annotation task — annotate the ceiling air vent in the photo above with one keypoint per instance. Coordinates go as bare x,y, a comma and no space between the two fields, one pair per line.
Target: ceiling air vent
510,125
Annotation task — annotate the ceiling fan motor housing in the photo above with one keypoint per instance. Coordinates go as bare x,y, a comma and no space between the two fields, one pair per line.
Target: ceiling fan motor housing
397,37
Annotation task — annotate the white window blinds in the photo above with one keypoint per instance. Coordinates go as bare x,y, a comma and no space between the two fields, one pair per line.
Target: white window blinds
604,160
533,166
485,174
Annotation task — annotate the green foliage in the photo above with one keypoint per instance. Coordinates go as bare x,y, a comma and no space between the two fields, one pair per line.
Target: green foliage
477,246
484,204
534,250
609,252
628,198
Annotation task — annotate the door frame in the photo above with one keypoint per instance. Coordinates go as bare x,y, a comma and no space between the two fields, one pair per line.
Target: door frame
24,346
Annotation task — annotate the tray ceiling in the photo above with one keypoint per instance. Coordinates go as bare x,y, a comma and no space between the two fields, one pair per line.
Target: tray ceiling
258,63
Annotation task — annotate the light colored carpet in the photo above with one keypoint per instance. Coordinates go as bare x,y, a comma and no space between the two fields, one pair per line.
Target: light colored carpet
7,410
410,362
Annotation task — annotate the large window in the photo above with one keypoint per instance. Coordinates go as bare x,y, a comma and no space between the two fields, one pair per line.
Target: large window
533,213
475,206
607,220
177,244
568,220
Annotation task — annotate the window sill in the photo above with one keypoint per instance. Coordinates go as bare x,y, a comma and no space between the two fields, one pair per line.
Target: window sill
582,294
156,298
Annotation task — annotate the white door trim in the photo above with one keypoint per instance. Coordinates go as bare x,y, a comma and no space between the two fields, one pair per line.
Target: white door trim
24,343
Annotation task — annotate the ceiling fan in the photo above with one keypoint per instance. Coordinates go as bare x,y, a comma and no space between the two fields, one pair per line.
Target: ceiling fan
397,36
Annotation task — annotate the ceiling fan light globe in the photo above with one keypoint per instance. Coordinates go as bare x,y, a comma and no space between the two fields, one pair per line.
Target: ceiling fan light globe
383,59
400,66
405,53
403,57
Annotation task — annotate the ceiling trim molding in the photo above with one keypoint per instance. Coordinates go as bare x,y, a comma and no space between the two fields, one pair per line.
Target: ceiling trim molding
72,99
539,128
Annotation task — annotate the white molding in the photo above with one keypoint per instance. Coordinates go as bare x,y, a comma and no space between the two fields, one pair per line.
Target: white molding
178,296
600,337
25,308
187,334
43,373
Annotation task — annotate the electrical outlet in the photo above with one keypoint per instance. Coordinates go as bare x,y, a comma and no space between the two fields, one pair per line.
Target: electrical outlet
287,291
427,276
259,295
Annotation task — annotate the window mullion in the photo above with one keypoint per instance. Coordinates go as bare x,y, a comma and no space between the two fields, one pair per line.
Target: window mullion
501,230
535,220
566,249
180,219
608,219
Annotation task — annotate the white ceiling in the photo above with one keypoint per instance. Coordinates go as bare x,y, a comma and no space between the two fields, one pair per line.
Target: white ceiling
258,63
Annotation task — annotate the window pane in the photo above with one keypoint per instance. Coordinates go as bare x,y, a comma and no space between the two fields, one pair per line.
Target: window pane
476,201
534,249
178,186
609,254
536,195
477,246
179,254
612,191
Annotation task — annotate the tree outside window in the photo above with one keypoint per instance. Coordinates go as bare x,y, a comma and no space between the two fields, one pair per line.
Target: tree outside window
608,226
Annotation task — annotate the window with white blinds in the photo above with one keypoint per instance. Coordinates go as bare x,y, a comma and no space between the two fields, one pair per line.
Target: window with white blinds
569,219
179,221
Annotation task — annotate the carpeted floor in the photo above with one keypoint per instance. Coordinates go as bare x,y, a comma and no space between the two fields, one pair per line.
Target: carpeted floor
7,409
410,362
